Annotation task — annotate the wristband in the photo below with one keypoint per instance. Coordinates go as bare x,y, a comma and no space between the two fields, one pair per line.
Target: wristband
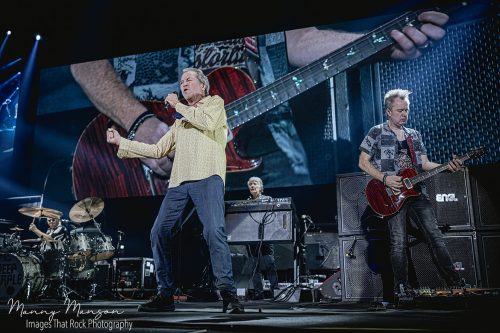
383,179
138,122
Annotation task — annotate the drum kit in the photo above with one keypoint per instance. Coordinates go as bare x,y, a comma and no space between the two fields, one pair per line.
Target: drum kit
29,273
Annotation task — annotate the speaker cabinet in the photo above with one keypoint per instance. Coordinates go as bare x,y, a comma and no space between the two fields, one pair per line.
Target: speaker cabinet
450,196
352,204
364,268
449,193
322,251
486,197
489,257
462,247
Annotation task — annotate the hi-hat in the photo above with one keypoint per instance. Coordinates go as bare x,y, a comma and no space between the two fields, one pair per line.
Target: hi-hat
40,212
16,228
86,209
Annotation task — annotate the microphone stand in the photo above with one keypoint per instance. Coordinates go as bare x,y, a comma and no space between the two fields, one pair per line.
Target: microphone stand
116,263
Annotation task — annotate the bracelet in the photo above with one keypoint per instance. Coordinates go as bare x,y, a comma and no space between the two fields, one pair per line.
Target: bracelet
138,122
383,179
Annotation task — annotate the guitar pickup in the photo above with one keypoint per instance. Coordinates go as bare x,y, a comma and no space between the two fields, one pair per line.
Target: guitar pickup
407,183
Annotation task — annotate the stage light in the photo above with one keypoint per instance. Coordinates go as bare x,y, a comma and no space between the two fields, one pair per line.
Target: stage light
9,32
38,37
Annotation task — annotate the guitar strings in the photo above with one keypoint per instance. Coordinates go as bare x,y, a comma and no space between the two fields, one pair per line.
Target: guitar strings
315,69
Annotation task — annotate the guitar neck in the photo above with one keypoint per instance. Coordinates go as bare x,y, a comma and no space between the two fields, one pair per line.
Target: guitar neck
304,78
427,174
424,175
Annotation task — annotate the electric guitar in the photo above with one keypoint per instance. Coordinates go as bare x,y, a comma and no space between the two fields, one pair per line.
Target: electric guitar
385,202
97,172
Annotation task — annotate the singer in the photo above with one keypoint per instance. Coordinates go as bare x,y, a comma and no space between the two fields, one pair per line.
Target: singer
198,174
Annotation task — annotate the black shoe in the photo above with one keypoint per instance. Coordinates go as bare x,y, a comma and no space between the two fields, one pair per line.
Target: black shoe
231,302
158,303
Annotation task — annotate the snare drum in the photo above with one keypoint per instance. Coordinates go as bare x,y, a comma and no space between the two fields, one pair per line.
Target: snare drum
21,276
10,243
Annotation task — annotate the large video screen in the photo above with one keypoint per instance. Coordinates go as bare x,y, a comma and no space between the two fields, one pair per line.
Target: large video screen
294,121
9,98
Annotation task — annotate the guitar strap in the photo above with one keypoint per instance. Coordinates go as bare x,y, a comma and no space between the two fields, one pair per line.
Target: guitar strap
253,59
412,151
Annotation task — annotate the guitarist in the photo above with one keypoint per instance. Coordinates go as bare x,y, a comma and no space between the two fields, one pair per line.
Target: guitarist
387,149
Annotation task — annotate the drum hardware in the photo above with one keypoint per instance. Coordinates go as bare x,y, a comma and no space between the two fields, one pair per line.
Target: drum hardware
115,276
16,229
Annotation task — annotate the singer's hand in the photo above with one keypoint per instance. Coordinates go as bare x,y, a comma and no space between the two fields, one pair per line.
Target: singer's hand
112,136
172,100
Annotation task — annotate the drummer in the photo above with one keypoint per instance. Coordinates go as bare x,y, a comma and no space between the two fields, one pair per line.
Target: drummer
54,238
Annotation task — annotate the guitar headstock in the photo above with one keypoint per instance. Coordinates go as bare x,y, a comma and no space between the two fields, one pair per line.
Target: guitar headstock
475,153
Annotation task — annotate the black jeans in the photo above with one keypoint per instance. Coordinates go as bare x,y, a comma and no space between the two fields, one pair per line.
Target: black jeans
419,211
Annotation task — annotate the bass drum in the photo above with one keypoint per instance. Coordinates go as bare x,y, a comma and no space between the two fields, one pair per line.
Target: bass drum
22,277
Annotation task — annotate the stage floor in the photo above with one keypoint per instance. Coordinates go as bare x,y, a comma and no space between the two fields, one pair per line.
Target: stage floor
465,314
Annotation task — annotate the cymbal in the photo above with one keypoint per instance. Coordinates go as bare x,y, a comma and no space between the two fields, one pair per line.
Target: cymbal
40,212
16,228
86,209
4,221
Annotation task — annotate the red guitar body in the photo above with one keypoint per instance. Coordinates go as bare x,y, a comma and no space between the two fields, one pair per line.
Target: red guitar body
381,198
97,172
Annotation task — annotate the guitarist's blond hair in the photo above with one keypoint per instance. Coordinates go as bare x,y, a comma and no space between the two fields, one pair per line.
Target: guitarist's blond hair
391,95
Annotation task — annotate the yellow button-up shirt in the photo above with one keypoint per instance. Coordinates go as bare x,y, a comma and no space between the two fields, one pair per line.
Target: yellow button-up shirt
199,141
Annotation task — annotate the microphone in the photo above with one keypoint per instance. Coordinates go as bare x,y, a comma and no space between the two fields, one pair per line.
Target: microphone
350,252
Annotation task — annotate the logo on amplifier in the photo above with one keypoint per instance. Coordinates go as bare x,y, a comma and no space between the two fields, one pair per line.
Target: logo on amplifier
444,197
